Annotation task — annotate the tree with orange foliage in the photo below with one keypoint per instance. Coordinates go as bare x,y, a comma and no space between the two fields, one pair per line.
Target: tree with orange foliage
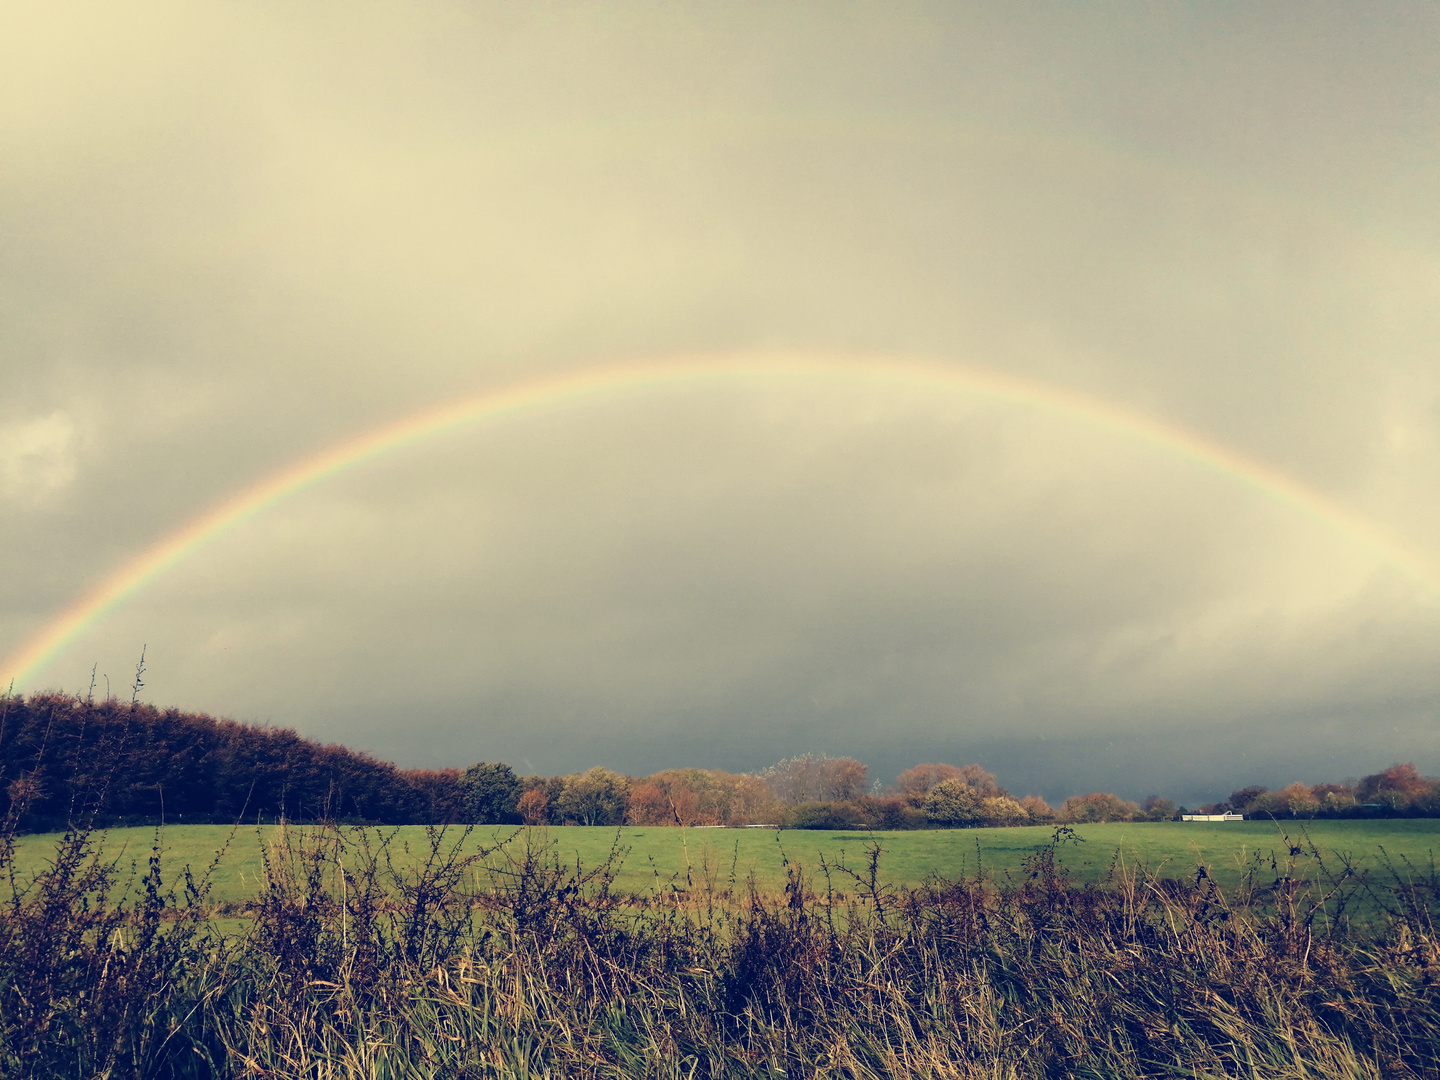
690,797
915,782
980,781
1300,800
1096,807
1397,787
648,805
1039,811
701,797
534,807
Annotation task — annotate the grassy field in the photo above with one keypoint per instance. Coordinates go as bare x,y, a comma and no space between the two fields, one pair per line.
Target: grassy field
538,972
661,859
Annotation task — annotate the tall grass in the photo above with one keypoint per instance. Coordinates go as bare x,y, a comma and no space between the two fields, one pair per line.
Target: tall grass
506,962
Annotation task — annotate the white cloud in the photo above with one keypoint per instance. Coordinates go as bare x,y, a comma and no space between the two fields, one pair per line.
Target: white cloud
37,457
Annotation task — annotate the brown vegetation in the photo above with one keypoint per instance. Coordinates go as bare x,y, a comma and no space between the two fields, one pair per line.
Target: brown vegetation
1400,789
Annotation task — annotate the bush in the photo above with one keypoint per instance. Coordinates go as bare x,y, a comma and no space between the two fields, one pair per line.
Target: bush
1000,811
952,803
893,812
823,815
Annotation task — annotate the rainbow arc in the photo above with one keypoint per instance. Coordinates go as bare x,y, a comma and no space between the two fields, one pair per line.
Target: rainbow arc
550,391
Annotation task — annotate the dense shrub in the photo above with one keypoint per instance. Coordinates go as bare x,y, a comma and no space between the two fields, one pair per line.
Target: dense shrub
824,815
952,803
1000,811
893,812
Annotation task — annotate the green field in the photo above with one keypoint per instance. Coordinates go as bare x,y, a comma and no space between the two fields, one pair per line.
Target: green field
659,859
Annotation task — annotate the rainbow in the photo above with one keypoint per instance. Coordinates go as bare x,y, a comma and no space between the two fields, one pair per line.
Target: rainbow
588,384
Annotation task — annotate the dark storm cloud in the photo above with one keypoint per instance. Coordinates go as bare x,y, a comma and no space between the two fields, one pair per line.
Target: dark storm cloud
235,236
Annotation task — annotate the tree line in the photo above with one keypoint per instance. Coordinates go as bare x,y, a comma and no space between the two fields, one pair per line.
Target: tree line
1400,789
65,759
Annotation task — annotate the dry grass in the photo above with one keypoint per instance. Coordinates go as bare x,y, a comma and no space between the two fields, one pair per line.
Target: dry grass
359,963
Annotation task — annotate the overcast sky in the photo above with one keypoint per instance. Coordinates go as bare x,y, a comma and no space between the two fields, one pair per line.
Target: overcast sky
233,235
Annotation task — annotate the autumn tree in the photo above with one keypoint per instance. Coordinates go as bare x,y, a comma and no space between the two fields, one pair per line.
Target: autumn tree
999,811
1334,798
533,807
550,786
1396,787
1155,808
1097,807
952,803
915,782
649,805
594,797
817,778
1038,810
1298,800
751,800
1241,799
689,797
980,781
441,797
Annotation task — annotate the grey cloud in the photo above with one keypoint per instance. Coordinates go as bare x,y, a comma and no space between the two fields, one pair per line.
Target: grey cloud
236,236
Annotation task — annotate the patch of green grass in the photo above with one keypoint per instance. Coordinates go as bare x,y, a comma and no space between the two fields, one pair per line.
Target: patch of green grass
663,859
